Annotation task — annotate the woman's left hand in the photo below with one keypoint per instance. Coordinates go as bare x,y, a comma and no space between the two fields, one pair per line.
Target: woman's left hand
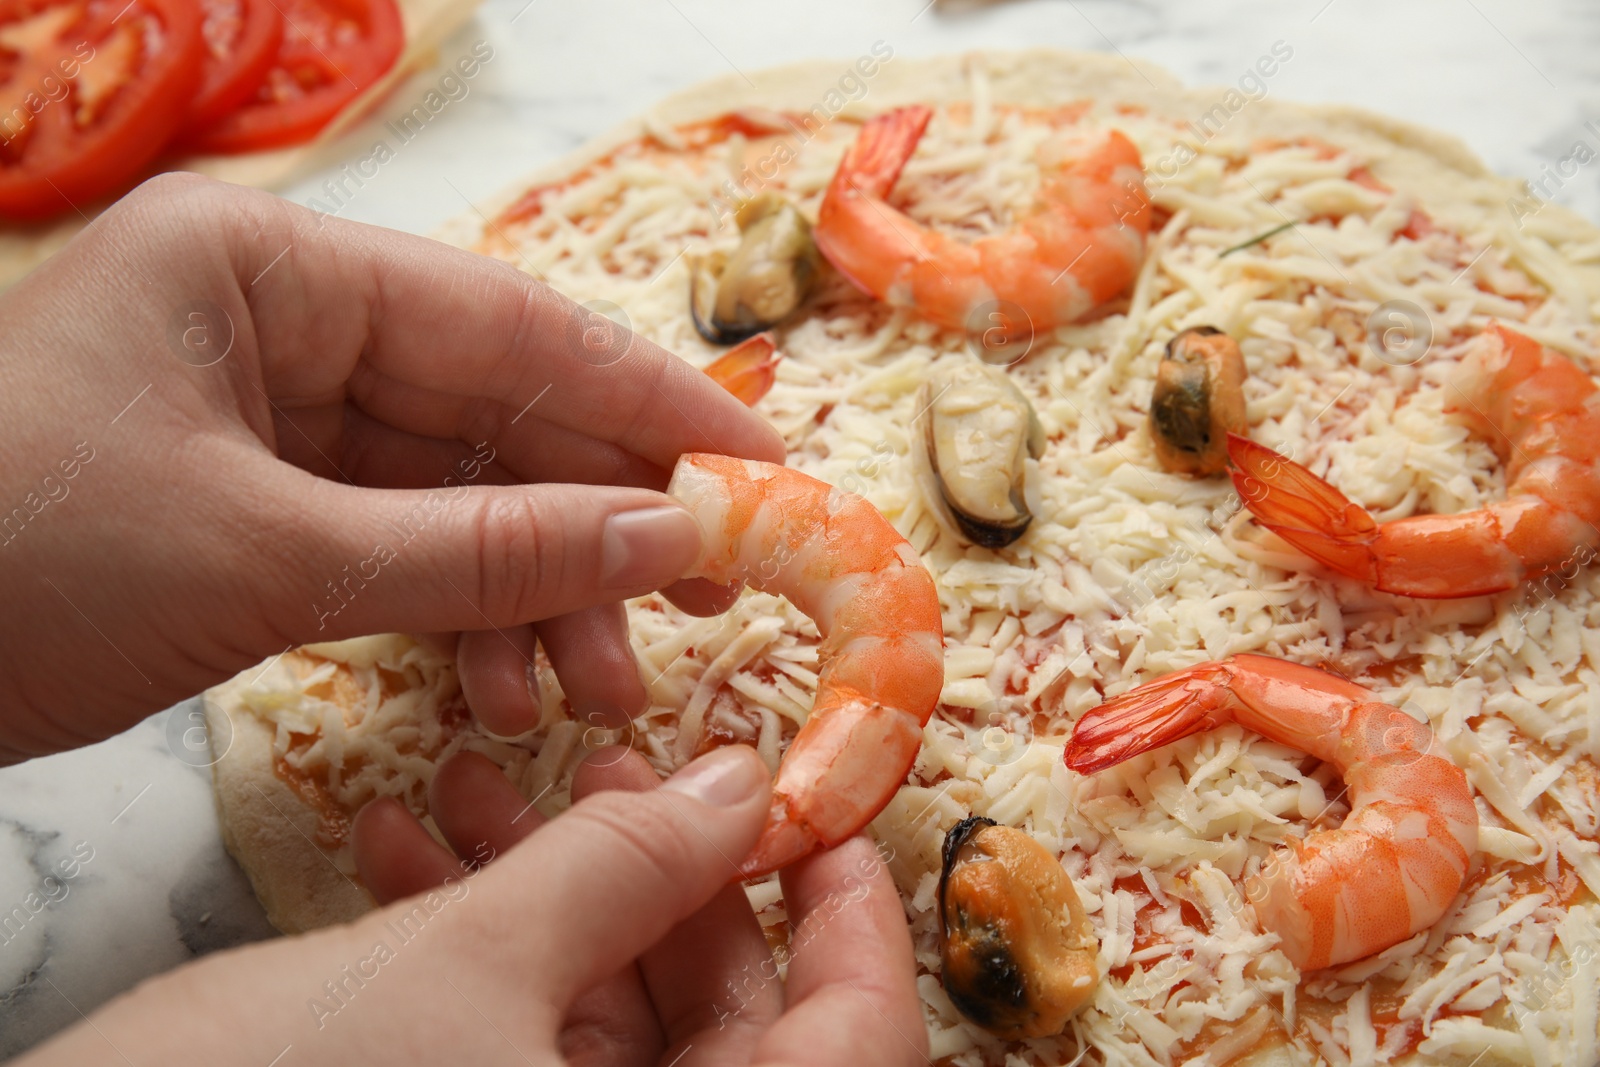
233,426
608,937
709,992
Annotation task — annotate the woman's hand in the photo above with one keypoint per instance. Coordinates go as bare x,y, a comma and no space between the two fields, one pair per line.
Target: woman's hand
610,937
233,426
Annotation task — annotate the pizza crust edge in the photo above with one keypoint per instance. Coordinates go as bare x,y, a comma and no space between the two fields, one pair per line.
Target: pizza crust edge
1448,178
267,828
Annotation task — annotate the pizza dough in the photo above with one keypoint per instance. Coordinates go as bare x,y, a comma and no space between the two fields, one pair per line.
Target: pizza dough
1127,572
269,828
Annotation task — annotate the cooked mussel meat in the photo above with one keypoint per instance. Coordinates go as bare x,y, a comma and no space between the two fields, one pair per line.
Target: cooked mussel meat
1018,951
978,432
736,296
1198,400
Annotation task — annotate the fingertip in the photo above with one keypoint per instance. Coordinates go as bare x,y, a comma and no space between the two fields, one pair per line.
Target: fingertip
857,870
498,678
849,928
470,780
702,597
617,767
773,449
648,546
651,858
733,776
375,824
394,855
477,808
599,673
602,714
819,872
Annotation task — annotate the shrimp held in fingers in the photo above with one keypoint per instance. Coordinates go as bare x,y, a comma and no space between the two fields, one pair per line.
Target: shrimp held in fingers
1079,246
1540,412
1395,864
838,560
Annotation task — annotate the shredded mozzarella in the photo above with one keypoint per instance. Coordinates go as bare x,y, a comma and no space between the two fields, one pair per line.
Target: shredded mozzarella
1127,573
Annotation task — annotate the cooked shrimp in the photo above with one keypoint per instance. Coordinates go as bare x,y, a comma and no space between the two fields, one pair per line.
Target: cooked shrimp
748,369
1542,416
1401,855
1078,247
882,655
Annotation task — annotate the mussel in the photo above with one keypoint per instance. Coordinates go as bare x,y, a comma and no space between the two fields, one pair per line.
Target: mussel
1198,400
734,297
1018,951
978,433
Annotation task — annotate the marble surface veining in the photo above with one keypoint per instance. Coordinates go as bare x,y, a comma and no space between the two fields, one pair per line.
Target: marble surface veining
111,868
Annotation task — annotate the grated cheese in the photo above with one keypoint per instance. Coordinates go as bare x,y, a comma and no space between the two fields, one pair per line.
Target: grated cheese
1128,573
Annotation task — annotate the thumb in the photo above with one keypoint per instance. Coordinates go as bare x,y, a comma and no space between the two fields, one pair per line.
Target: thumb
590,891
363,561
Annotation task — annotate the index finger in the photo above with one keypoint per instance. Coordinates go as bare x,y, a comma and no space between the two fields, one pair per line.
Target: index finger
852,982
465,335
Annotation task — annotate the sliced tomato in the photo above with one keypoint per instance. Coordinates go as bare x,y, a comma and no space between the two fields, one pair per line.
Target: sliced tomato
90,92
242,38
332,51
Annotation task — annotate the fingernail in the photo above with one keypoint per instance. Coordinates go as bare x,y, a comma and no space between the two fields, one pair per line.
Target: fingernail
722,778
648,546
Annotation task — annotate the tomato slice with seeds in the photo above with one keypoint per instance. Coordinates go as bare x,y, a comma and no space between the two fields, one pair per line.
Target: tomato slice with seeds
332,51
90,92
242,38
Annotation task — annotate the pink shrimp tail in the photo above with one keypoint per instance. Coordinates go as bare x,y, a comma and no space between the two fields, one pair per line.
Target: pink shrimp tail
868,171
873,163
783,840
1304,510
1155,714
748,369
832,780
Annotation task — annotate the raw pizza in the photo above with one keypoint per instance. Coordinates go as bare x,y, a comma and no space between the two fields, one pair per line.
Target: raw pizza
1295,231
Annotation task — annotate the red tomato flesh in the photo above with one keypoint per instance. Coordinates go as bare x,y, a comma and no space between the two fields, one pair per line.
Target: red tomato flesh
242,38
332,51
90,92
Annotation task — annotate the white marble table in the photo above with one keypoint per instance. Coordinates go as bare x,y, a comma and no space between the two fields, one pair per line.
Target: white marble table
1517,81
